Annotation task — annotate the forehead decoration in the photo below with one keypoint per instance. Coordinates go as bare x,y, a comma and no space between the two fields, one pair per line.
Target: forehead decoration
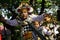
28,8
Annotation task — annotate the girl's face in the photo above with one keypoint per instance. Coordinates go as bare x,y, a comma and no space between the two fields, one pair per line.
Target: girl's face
48,19
36,24
24,13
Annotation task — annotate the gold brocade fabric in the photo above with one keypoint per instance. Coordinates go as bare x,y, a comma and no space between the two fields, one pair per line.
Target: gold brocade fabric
28,36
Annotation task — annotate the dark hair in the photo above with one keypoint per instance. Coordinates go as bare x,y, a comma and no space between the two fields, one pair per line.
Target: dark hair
35,21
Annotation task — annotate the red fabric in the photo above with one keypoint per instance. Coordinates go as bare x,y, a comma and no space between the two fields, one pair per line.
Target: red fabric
0,37
1,29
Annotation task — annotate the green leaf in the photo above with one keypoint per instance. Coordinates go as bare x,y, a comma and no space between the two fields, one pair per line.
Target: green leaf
1,23
39,1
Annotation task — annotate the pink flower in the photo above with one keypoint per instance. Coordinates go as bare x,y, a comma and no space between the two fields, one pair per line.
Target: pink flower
1,27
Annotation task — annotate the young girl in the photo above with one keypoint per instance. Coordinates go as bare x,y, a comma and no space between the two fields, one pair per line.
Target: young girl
37,27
